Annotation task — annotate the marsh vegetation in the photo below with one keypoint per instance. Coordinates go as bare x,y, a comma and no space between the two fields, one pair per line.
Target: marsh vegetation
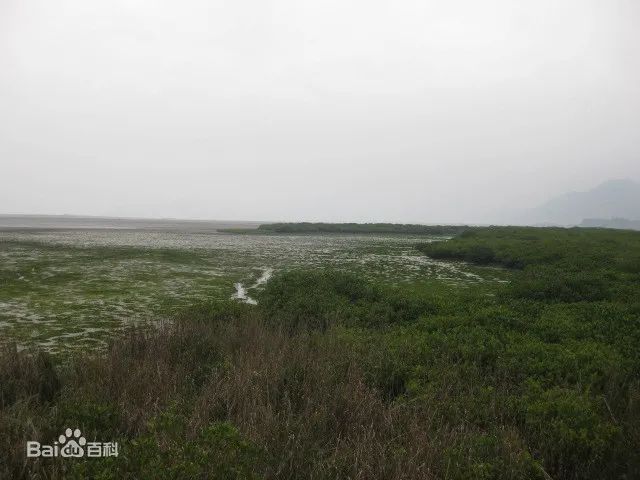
63,290
532,371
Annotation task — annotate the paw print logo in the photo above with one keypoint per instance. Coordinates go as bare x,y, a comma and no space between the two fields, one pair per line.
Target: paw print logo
71,443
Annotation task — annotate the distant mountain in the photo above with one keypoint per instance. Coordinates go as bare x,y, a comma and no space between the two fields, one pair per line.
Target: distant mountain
614,199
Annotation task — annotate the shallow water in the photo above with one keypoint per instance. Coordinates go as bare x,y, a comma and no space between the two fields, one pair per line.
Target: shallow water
241,292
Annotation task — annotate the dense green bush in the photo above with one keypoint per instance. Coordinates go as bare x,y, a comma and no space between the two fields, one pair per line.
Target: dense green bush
320,299
569,430
551,285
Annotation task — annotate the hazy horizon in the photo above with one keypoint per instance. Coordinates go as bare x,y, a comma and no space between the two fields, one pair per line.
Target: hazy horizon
291,110
524,216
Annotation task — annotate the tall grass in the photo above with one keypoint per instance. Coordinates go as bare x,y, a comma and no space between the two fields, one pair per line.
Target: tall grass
301,406
278,403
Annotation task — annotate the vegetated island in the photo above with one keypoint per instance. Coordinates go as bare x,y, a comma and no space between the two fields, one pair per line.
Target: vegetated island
379,228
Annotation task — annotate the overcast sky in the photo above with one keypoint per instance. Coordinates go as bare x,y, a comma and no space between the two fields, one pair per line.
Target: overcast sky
338,110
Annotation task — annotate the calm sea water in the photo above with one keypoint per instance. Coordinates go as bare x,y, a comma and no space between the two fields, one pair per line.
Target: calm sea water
57,222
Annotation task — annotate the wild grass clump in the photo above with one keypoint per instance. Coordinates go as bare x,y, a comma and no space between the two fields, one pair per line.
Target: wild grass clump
26,376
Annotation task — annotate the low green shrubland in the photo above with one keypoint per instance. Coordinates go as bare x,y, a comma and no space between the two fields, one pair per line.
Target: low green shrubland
333,376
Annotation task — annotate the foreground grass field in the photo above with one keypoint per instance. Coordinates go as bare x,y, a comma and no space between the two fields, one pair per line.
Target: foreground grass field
335,376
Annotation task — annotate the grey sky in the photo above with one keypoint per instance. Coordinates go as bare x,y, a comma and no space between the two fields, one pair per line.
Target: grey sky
344,110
